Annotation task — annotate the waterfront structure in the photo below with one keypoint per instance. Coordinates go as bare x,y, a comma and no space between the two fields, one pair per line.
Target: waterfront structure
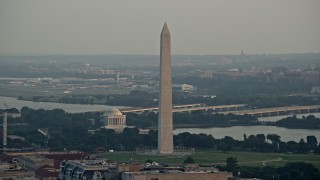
165,126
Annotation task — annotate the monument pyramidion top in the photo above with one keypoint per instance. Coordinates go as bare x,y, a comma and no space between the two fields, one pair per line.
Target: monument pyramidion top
165,29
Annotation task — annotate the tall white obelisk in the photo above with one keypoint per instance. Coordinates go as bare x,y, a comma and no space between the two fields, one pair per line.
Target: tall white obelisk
165,125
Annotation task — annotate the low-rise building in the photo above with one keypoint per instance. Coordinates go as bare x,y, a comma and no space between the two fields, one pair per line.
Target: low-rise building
183,87
34,162
87,169
129,167
175,175
47,173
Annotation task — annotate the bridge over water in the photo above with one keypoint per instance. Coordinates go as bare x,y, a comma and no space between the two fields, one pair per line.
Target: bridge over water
189,107
278,111
238,109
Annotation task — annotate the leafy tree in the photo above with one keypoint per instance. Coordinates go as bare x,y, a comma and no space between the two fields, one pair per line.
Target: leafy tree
149,161
274,138
309,122
79,132
261,137
151,139
298,170
312,142
130,132
188,160
244,136
302,146
317,150
232,164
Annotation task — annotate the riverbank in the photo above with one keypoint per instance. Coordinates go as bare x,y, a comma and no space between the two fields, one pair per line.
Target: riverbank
218,132
75,99
237,132
177,126
71,108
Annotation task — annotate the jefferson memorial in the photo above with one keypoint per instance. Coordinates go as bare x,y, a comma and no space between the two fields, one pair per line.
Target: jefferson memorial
114,119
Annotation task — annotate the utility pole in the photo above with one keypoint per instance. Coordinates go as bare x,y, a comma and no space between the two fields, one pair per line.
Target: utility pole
5,127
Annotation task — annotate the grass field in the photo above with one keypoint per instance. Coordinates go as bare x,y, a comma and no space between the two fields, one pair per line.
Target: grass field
216,157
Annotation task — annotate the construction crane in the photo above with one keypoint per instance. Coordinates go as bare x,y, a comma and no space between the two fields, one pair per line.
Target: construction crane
6,112
46,134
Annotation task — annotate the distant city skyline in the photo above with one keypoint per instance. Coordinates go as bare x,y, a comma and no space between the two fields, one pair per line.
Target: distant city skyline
206,27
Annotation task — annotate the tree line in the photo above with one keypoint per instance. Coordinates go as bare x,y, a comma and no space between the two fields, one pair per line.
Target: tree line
211,119
195,119
291,170
84,132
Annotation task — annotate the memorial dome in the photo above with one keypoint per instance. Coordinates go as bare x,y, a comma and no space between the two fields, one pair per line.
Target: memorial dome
113,111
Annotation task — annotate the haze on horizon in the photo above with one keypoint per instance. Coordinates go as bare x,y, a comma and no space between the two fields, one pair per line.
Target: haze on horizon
133,27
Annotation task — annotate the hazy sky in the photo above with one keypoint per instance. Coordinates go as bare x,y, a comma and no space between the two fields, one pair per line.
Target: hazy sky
134,26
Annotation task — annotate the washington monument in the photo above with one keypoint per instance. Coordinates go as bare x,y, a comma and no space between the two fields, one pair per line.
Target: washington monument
165,126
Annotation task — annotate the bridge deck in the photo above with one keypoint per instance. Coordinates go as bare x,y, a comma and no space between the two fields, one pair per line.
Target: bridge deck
187,107
288,109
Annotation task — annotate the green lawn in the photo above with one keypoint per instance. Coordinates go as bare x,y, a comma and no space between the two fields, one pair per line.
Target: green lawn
216,157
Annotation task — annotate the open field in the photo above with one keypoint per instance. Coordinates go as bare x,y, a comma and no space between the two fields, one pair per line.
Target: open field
217,157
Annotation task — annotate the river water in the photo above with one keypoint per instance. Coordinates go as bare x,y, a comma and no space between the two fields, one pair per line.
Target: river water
71,108
237,131
218,132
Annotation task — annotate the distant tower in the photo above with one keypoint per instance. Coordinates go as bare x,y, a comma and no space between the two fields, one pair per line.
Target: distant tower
165,125
5,124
